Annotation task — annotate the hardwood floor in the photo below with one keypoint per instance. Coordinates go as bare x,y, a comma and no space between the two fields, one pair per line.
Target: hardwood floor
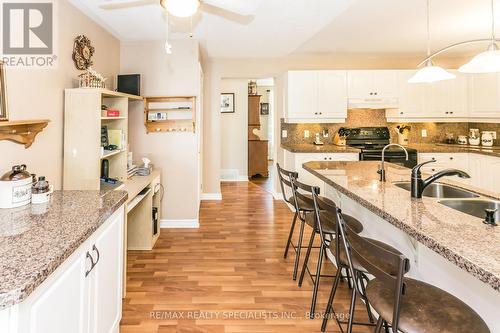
227,276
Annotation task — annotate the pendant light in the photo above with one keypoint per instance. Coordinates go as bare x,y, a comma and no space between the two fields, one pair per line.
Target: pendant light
489,60
430,72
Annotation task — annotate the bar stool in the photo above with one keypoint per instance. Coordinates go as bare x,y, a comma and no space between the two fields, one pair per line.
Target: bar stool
408,305
326,208
303,208
324,226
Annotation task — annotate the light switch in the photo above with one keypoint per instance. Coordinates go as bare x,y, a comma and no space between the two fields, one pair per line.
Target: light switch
306,133
284,133
424,133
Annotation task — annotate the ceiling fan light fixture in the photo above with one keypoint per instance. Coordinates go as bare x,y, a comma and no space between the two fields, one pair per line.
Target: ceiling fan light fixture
484,62
431,73
181,8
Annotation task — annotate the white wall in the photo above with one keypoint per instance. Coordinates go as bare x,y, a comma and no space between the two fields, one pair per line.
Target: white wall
39,93
234,132
177,154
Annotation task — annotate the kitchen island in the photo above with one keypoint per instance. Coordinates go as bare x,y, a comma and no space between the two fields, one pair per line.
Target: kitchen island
62,260
447,248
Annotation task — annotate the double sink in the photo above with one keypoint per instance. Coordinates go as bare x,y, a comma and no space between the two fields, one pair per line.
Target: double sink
456,198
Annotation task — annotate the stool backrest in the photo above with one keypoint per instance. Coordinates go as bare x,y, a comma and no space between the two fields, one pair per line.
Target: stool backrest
302,194
284,177
321,208
377,261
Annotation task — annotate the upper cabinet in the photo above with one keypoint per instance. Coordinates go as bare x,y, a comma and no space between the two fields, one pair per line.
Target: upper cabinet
316,96
373,89
484,95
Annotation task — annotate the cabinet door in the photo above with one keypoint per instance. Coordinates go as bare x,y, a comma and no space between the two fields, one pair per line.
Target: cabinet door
385,84
484,95
332,94
106,287
360,84
411,96
459,95
302,94
489,171
60,306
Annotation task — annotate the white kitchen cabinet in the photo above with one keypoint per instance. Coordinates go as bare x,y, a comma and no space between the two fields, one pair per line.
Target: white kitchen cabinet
70,300
316,96
484,95
372,88
485,172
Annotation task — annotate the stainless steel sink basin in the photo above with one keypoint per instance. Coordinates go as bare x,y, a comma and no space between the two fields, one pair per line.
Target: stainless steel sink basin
440,191
474,207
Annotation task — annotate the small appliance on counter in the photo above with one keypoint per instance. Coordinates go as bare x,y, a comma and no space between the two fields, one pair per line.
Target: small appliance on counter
474,138
41,191
15,187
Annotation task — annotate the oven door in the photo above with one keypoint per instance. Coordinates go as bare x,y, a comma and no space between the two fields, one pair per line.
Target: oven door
399,159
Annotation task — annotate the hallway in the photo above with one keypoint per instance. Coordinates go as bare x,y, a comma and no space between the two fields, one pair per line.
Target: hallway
227,276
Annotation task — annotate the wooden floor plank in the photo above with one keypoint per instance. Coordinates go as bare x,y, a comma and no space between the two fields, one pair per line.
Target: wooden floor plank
227,276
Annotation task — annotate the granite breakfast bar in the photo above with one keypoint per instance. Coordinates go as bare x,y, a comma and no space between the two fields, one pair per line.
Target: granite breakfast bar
446,248
54,258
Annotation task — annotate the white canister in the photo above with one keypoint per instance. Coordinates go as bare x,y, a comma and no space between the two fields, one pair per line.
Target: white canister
15,187
487,139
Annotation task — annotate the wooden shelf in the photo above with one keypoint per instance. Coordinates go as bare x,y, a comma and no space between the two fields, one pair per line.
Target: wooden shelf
108,153
186,104
22,131
110,93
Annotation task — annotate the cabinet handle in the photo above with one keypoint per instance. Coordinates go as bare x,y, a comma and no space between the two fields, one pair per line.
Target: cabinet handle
92,264
451,112
451,158
94,248
371,94
330,158
401,113
375,94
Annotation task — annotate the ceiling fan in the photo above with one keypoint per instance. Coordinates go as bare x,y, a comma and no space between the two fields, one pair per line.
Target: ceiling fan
182,8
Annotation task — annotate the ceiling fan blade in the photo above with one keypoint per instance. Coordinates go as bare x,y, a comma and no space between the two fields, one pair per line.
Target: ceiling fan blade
227,14
121,4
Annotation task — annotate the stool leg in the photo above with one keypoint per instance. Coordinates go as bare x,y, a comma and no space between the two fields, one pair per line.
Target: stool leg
299,247
351,310
329,305
367,304
378,328
317,281
290,235
306,259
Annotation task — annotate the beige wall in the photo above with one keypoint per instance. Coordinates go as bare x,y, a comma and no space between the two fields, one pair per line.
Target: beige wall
275,67
177,154
36,94
234,133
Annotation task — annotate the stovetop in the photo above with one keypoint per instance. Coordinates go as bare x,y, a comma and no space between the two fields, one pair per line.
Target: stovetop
370,139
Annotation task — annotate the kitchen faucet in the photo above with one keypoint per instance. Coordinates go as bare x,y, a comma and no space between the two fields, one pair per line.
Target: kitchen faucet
381,171
418,185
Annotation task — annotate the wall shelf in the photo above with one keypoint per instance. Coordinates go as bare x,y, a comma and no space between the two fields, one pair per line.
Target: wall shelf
178,114
22,131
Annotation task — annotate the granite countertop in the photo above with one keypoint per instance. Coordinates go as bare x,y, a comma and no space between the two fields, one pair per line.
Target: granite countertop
36,239
460,238
454,148
311,148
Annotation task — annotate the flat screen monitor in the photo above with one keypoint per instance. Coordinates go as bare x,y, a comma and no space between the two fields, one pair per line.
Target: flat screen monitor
129,84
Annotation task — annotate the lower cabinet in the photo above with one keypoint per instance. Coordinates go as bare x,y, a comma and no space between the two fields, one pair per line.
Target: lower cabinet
84,294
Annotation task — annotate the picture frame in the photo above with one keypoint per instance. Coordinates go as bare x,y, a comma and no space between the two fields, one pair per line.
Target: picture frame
227,103
4,115
264,109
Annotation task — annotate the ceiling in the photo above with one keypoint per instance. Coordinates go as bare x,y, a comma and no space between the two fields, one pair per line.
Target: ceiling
284,27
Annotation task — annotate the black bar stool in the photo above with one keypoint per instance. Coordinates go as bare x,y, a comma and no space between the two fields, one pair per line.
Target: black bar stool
300,208
408,305
326,209
322,223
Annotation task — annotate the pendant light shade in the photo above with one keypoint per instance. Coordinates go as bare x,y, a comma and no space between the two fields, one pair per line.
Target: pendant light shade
485,62
181,8
430,73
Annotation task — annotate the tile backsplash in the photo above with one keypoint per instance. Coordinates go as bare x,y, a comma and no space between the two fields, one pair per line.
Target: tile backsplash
436,132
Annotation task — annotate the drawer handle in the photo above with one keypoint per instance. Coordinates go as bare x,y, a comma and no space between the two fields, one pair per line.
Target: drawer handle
94,248
92,264
451,158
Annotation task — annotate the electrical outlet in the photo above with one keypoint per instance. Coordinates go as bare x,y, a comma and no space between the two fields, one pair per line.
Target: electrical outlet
424,133
284,133
306,133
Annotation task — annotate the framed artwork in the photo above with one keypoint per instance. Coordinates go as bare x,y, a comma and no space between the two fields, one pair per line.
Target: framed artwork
3,94
227,103
264,109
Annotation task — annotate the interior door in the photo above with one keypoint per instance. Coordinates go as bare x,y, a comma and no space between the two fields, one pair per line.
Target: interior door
106,286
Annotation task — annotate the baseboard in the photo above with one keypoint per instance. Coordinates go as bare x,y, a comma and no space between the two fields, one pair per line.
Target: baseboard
211,196
232,175
277,196
187,223
236,179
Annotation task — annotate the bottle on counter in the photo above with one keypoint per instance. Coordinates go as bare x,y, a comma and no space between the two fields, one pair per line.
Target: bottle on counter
41,191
